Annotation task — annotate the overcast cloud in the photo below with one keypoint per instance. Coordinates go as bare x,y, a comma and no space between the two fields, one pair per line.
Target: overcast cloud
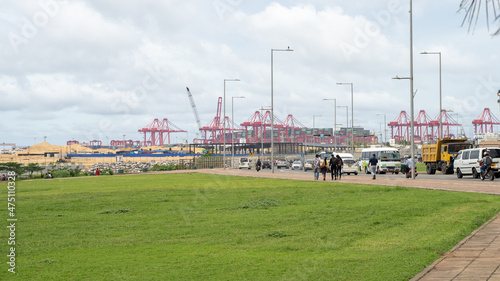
89,70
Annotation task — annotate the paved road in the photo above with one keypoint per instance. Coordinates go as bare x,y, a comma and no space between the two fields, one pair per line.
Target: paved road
421,175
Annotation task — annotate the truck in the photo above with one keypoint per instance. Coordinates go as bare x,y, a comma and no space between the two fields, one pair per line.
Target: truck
440,156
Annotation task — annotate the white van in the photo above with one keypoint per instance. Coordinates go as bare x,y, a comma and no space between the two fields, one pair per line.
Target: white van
389,159
245,163
350,164
467,161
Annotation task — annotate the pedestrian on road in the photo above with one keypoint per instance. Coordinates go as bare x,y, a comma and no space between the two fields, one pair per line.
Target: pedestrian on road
340,163
258,165
324,168
373,165
316,164
409,164
334,166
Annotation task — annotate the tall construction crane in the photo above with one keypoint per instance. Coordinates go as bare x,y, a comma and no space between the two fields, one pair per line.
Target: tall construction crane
195,111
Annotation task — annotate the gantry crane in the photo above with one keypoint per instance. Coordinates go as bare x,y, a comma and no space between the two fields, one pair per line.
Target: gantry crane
195,111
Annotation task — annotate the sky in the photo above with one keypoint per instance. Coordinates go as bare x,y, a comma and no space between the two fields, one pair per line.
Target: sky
98,70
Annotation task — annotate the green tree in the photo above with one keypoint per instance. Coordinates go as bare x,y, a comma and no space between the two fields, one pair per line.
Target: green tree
12,166
473,9
32,167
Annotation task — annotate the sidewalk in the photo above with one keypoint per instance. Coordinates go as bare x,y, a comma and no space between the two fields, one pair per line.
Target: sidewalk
476,258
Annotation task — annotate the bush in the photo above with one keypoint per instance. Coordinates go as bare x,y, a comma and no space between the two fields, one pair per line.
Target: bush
170,167
61,173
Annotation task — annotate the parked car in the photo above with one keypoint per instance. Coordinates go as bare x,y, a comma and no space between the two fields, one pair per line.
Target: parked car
297,165
245,163
266,164
282,163
308,165
467,161
350,164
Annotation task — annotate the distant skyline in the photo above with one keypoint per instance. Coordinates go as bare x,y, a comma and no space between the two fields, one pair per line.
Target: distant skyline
88,70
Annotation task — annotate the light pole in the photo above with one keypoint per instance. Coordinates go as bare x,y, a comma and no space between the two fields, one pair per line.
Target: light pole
412,95
346,118
334,121
232,119
352,114
224,121
45,139
385,127
262,132
440,93
272,104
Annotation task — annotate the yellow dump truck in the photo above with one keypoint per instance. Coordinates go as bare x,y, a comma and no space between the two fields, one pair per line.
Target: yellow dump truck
440,156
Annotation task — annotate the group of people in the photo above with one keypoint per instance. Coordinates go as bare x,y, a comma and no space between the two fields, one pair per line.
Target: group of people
321,166
335,164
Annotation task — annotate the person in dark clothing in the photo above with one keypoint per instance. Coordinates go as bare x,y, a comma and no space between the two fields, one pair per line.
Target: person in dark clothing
258,165
333,166
340,163
373,165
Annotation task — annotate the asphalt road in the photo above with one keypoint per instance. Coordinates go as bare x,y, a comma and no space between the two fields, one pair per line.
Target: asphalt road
421,175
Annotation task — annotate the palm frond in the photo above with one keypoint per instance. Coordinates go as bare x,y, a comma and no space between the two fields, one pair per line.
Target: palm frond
472,13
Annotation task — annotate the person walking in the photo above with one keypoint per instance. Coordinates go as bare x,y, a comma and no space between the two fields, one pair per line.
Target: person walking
324,168
340,163
409,165
334,166
373,165
316,164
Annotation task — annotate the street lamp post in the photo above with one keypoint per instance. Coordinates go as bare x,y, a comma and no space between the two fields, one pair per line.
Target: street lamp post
262,132
224,121
272,104
440,93
346,117
232,132
352,114
412,95
385,127
334,121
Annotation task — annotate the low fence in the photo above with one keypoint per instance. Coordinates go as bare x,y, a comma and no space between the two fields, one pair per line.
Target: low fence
208,162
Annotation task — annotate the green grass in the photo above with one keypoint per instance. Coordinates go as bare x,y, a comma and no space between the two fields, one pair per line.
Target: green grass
206,227
421,167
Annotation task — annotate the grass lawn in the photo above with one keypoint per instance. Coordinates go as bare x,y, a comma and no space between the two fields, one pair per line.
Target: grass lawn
207,227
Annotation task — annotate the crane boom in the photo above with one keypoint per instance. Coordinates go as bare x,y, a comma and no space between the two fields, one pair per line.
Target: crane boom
193,106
